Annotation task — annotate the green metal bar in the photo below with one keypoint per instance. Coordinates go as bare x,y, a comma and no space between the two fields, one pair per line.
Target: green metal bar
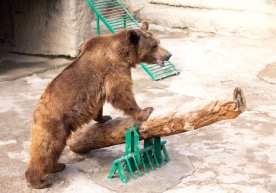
124,20
143,162
165,75
100,16
98,30
118,24
155,159
132,145
158,73
148,71
167,158
115,20
154,68
134,20
148,143
149,160
112,171
136,165
130,169
157,149
129,147
121,173
101,5
121,26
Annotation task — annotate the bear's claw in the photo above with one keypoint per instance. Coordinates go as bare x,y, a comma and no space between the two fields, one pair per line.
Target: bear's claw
58,167
104,119
145,113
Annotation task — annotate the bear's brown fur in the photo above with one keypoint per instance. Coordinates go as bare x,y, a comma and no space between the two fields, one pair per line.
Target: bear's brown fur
77,95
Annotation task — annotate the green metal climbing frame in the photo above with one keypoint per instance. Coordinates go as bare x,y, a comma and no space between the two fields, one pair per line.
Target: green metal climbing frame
135,158
116,17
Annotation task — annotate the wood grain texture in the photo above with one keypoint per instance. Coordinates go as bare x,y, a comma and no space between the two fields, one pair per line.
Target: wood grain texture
113,131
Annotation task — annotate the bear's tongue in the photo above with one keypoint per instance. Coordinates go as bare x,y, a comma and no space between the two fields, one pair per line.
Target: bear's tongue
160,63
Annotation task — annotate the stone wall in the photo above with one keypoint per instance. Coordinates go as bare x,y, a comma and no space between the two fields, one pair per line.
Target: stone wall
249,18
58,27
55,27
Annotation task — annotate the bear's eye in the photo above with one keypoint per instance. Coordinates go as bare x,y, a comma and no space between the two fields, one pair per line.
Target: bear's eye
154,46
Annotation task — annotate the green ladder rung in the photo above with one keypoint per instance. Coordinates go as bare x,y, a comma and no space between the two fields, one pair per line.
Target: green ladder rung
116,17
158,73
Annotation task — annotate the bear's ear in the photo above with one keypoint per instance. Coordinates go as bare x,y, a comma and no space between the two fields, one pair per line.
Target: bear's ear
133,36
145,25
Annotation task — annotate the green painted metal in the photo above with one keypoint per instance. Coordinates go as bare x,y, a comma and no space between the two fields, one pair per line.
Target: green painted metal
132,146
157,149
98,30
116,17
134,157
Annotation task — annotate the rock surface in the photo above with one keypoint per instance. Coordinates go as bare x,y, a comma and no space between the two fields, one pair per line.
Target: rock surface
46,27
249,18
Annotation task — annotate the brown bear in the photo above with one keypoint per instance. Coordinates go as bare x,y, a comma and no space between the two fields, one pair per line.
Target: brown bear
76,96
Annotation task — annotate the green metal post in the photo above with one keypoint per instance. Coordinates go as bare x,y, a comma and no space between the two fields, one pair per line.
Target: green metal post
130,168
144,66
143,162
148,142
132,18
91,5
132,146
136,165
98,30
113,170
157,149
124,21
167,158
121,173
149,160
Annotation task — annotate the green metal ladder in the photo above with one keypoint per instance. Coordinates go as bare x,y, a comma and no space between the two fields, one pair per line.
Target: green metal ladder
116,17
134,158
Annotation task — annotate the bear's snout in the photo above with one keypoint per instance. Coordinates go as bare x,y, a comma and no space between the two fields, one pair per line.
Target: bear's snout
169,55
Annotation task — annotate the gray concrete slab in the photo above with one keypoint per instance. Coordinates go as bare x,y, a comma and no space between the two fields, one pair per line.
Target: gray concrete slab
269,73
229,156
14,66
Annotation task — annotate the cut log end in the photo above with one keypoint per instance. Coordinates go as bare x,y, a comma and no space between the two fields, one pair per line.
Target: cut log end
239,99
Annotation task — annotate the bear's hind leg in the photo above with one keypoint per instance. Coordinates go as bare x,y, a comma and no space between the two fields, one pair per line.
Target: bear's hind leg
58,167
55,153
34,177
46,148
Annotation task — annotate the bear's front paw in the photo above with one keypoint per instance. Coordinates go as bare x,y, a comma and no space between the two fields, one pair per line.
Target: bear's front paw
145,113
104,119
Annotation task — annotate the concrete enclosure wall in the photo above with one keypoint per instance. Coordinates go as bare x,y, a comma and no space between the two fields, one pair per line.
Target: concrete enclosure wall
58,27
249,18
55,27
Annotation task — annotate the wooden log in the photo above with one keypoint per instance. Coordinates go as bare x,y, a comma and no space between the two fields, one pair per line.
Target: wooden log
113,131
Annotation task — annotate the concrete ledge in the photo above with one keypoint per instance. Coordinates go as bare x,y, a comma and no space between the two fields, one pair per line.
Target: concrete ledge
244,23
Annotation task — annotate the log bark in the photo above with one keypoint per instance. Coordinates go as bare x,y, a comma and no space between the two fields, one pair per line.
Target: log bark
113,131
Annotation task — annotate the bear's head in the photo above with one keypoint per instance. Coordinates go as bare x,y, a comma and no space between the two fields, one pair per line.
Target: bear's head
148,47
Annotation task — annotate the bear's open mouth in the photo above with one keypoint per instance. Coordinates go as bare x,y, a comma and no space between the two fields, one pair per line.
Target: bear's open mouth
160,62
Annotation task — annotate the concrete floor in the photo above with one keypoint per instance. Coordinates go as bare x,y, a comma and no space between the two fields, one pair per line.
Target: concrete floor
230,156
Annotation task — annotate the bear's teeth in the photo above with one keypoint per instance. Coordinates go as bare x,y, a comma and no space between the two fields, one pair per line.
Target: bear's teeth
160,63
